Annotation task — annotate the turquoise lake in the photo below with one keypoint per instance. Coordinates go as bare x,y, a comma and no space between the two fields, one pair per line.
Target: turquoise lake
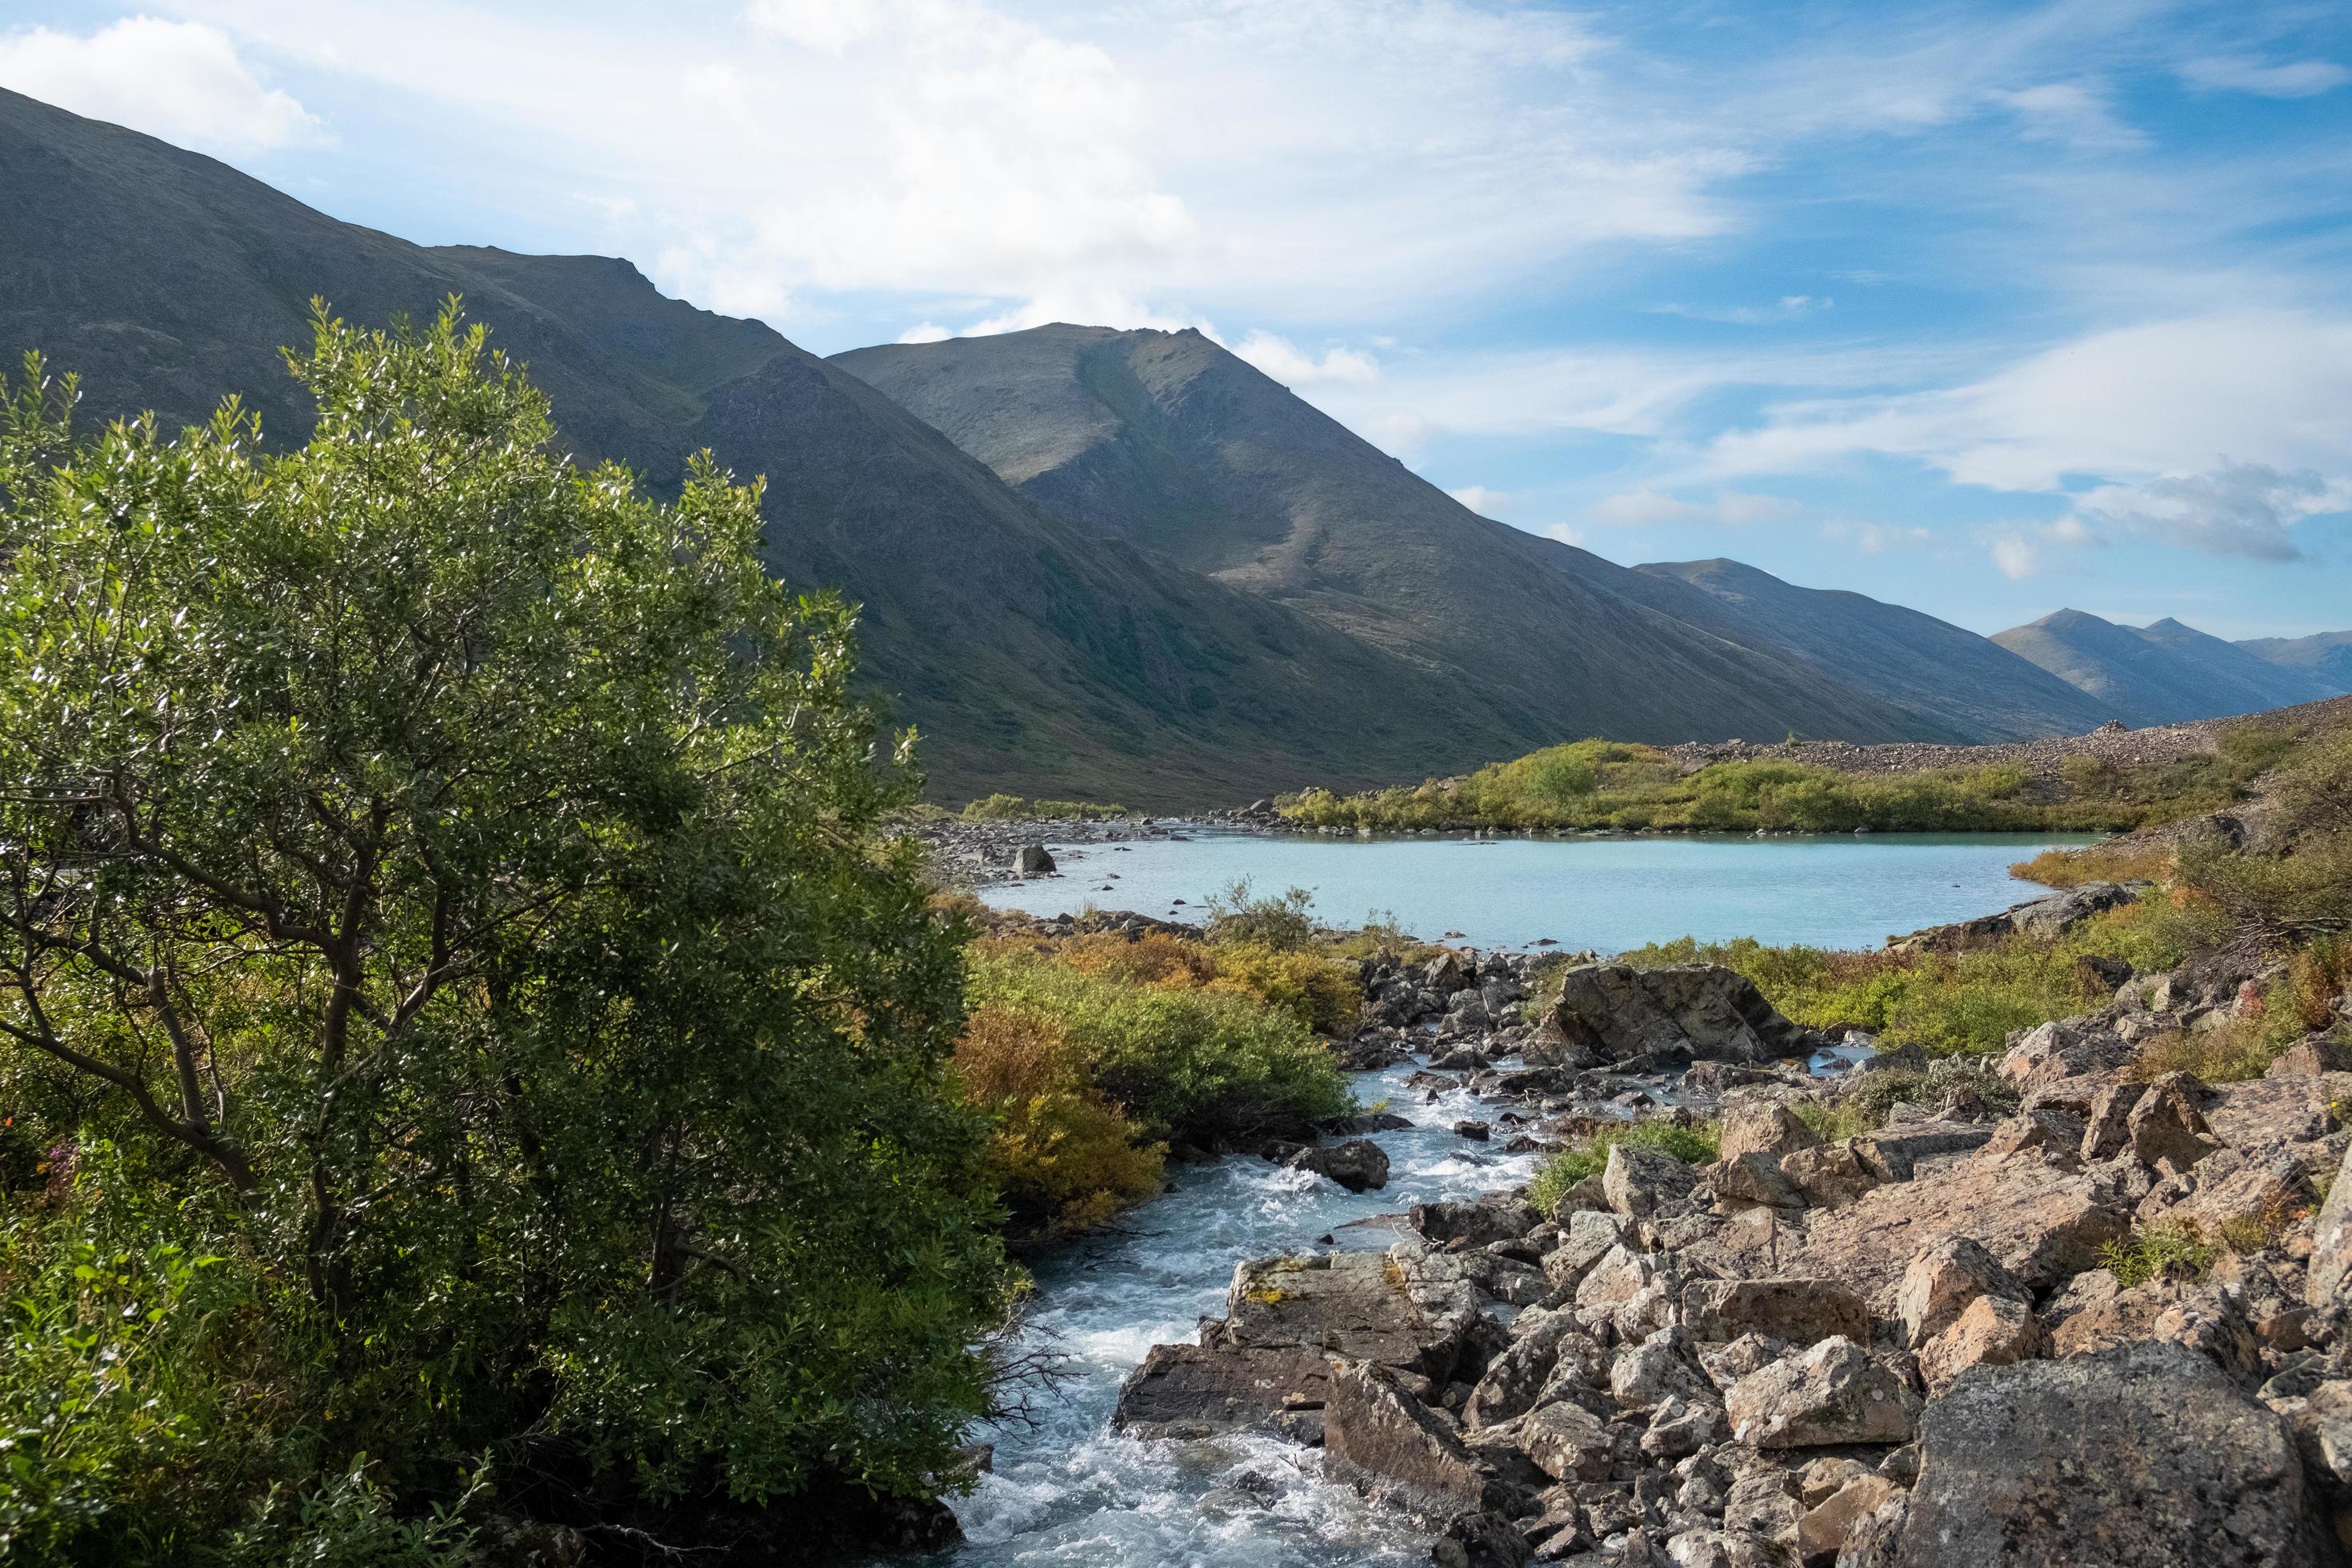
1606,893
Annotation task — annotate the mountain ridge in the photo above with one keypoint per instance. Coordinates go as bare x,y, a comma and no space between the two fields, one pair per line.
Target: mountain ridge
2163,673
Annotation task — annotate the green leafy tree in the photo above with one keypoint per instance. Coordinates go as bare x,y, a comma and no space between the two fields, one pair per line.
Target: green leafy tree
460,876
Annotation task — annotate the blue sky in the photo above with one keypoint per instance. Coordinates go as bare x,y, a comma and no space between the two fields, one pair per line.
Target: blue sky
1986,309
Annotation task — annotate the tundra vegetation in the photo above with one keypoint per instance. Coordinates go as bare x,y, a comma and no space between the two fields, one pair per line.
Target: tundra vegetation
1594,784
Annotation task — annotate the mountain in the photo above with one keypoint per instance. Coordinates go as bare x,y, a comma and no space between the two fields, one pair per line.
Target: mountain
2165,673
2325,656
1969,685
1033,655
1167,440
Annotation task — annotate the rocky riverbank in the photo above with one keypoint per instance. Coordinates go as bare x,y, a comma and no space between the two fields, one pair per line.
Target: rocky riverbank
2064,1309
966,855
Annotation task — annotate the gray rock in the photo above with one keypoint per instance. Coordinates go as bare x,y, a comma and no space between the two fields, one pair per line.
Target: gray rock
1358,1164
1566,1441
2138,1457
1186,1391
1940,1283
1640,1182
1374,1426
1798,1311
1762,1126
1031,860
1474,1224
2328,1286
1615,1012
1415,1313
1836,1392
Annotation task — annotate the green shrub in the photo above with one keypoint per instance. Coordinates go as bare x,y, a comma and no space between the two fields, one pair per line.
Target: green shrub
1279,921
458,886
2164,1250
1064,1157
1191,1064
1001,807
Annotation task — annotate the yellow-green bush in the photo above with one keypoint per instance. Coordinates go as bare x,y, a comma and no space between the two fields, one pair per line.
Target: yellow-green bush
1195,1063
1063,1156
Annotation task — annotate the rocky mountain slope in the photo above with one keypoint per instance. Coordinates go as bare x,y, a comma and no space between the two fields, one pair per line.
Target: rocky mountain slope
1166,439
2164,673
2325,656
1033,655
1969,685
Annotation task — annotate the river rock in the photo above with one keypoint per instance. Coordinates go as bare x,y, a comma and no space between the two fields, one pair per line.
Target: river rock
1639,1182
1798,1311
1566,1441
1358,1164
1616,1012
2041,1223
1834,1392
1188,1391
2328,1287
1374,1426
1032,860
1418,1313
1762,1126
1502,1218
2141,1457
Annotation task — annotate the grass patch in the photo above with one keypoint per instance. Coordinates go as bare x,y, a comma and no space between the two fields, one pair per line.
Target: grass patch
1592,784
1834,1120
2121,861
2166,1249
1003,807
1874,1094
1692,1143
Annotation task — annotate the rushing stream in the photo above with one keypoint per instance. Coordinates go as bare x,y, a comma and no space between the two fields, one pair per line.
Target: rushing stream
1069,1490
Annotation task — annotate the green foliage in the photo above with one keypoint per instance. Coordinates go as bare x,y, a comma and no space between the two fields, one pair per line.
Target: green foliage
1002,808
1832,1120
352,1522
457,884
1592,784
1193,1064
1064,1157
1694,1143
1963,1001
1278,921
2164,1250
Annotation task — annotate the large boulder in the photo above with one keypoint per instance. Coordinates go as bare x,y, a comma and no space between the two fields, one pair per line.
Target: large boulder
1374,1426
1358,1164
1762,1126
2141,1457
1032,860
1798,1311
2328,1286
1640,1182
1416,1313
2053,914
1187,1391
1835,1392
1615,1012
2041,1223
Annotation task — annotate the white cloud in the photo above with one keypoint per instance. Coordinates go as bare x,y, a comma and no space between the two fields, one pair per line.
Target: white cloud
2015,556
1480,499
2235,73
1293,366
2075,113
829,26
182,82
1566,533
925,332
2234,509
2271,387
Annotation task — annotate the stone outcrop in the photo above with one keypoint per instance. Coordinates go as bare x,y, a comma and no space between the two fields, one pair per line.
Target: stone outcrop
2054,914
2138,1457
1616,1013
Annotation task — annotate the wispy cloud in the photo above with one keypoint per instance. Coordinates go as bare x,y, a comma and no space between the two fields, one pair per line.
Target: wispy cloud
1293,366
1788,308
2237,73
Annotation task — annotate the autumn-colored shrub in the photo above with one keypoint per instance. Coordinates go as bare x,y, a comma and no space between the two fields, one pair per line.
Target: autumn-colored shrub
1063,1156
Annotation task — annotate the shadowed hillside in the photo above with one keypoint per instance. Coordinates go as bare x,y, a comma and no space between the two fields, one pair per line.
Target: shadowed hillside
2161,674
